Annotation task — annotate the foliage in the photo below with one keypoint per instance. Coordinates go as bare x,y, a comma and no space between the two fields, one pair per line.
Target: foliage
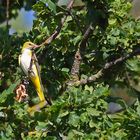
77,112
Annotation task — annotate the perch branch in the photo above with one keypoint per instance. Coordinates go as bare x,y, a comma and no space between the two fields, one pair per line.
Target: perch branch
58,29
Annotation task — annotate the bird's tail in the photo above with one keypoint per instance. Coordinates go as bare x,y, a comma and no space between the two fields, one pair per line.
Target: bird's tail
40,91
39,87
37,107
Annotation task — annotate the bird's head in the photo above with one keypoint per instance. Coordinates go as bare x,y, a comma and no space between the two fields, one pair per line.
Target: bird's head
29,45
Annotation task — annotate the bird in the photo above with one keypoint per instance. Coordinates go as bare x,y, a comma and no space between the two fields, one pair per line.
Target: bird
29,64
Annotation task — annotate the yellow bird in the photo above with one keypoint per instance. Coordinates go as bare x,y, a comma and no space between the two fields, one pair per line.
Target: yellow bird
29,64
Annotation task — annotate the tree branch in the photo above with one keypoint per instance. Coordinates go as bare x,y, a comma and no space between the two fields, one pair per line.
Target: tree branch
86,36
107,66
58,29
77,59
76,21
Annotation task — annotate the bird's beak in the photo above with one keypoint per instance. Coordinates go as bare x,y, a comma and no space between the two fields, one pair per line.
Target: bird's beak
35,46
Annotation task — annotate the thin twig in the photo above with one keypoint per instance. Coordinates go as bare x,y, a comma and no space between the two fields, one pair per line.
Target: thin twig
76,21
58,29
86,36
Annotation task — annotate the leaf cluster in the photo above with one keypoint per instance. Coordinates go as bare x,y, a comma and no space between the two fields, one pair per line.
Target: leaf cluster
77,112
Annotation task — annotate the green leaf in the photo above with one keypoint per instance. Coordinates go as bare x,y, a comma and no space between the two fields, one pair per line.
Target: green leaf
7,92
77,39
73,119
90,89
65,70
112,21
41,126
101,91
93,112
78,133
138,110
84,117
50,5
64,114
92,124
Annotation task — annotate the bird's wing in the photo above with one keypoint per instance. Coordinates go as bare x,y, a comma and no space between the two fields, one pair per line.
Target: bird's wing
38,69
36,63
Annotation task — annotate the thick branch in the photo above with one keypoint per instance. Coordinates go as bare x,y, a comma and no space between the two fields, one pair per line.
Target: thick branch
58,29
107,66
77,59
76,66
